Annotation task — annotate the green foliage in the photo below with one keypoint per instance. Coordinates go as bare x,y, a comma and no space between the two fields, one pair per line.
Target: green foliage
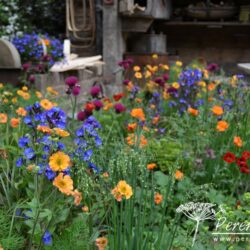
9,240
165,152
75,236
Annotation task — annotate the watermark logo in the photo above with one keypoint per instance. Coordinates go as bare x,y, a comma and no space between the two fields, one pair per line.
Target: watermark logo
199,212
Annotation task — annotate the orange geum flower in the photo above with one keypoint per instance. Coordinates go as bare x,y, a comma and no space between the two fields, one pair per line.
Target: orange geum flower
158,198
130,86
131,127
222,126
46,104
179,175
237,141
138,113
108,106
64,183
44,129
85,209
3,118
124,189
155,120
116,194
138,75
176,85
59,161
77,197
61,132
151,166
193,112
138,100
39,94
26,96
25,88
52,91
136,68
211,86
217,110
14,122
101,243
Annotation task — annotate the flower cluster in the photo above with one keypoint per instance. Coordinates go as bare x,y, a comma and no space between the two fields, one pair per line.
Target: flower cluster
35,47
242,162
121,190
87,138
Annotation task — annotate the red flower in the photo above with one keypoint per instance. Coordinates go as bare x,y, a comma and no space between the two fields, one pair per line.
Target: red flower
245,170
118,96
89,107
229,157
242,162
246,155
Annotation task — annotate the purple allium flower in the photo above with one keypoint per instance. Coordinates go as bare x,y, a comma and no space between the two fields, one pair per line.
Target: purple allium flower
98,104
166,77
119,108
213,67
126,82
81,116
26,66
76,90
95,91
32,79
71,81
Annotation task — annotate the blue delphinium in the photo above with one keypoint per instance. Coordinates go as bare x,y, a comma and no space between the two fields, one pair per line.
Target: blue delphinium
87,138
47,238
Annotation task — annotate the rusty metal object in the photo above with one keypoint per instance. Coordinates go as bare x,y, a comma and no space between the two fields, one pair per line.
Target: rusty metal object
85,30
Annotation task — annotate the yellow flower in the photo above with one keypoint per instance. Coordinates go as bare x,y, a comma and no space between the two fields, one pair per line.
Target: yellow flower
166,95
46,104
136,68
59,161
178,63
61,132
147,74
39,94
24,88
153,69
138,75
5,100
1,85
176,85
52,91
164,66
14,100
124,189
64,183
155,56
202,84
179,175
